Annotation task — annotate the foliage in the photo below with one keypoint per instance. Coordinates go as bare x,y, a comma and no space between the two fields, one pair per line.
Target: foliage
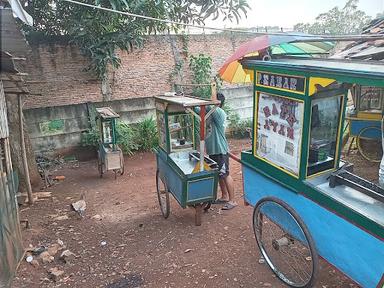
100,33
348,20
201,68
146,134
131,138
238,128
90,138
241,130
126,138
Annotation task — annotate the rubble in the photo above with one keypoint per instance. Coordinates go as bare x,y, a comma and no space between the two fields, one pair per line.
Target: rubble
55,274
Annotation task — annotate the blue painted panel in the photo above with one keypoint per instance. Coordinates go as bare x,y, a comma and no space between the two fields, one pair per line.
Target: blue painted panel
200,189
173,180
358,125
281,216
352,250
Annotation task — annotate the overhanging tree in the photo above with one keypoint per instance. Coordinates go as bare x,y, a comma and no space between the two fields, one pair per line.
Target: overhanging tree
348,20
99,34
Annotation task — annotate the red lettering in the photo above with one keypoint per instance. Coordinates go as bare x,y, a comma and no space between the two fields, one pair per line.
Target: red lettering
274,109
266,125
274,125
290,133
267,111
291,119
282,130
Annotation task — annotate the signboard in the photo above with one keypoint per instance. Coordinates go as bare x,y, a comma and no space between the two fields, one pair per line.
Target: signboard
281,82
279,131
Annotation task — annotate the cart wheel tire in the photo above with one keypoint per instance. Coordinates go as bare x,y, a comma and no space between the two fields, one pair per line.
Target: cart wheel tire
290,250
162,195
99,165
198,212
121,171
206,206
369,148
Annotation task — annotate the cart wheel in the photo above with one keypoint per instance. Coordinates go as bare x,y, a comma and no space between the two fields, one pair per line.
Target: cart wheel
285,242
162,195
198,212
121,171
370,148
206,206
100,165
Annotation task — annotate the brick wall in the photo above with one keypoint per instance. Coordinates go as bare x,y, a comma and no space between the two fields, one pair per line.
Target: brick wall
57,71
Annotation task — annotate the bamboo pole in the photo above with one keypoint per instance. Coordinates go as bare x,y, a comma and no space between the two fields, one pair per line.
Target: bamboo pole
24,152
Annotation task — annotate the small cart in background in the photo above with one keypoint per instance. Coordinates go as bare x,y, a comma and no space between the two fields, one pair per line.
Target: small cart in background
191,179
109,155
365,121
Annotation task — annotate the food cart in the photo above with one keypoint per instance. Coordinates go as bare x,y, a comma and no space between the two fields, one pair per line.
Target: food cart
307,202
109,155
191,179
364,121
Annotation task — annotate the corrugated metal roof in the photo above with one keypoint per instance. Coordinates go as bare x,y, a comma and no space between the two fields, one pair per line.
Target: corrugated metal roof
368,49
12,39
6,63
3,114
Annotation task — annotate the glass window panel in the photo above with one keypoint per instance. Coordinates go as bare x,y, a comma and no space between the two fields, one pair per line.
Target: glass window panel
161,129
325,117
181,132
371,99
280,126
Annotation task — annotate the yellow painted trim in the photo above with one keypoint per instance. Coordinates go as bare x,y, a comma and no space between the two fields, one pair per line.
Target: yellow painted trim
369,115
323,82
297,176
250,74
337,142
361,119
320,173
281,89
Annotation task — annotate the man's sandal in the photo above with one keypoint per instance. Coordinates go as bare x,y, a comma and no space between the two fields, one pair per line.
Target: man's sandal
220,201
229,206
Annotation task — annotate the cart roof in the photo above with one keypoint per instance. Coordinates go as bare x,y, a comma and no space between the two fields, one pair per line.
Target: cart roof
186,101
355,72
107,113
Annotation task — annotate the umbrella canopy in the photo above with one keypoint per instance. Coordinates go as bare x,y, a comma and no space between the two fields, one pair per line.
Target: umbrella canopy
298,45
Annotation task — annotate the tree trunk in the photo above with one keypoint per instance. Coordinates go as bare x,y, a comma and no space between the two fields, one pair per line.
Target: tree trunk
16,151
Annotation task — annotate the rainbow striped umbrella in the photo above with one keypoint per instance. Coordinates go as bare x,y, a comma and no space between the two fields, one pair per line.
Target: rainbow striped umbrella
297,45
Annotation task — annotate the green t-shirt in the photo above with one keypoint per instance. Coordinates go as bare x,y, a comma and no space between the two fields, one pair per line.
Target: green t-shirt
215,141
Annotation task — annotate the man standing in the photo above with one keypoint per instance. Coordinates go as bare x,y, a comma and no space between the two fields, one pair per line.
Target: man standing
217,148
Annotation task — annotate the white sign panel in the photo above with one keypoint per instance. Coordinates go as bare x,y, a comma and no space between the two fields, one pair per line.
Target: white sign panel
279,131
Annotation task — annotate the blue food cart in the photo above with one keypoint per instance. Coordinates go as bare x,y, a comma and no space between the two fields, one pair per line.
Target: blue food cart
190,179
307,201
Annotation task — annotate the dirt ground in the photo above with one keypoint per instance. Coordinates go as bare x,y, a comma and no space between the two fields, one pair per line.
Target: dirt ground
134,246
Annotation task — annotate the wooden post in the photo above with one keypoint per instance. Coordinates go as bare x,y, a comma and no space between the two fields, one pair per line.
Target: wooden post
24,152
213,91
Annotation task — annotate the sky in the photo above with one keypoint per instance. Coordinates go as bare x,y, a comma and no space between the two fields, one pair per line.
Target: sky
287,13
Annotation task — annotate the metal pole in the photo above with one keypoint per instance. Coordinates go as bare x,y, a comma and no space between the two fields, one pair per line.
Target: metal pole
24,152
202,136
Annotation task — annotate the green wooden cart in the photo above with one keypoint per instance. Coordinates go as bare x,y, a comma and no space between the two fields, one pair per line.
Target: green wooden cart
191,179
109,155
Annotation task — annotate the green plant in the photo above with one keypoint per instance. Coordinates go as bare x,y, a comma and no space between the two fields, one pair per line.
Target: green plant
90,138
201,68
126,138
185,42
146,134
